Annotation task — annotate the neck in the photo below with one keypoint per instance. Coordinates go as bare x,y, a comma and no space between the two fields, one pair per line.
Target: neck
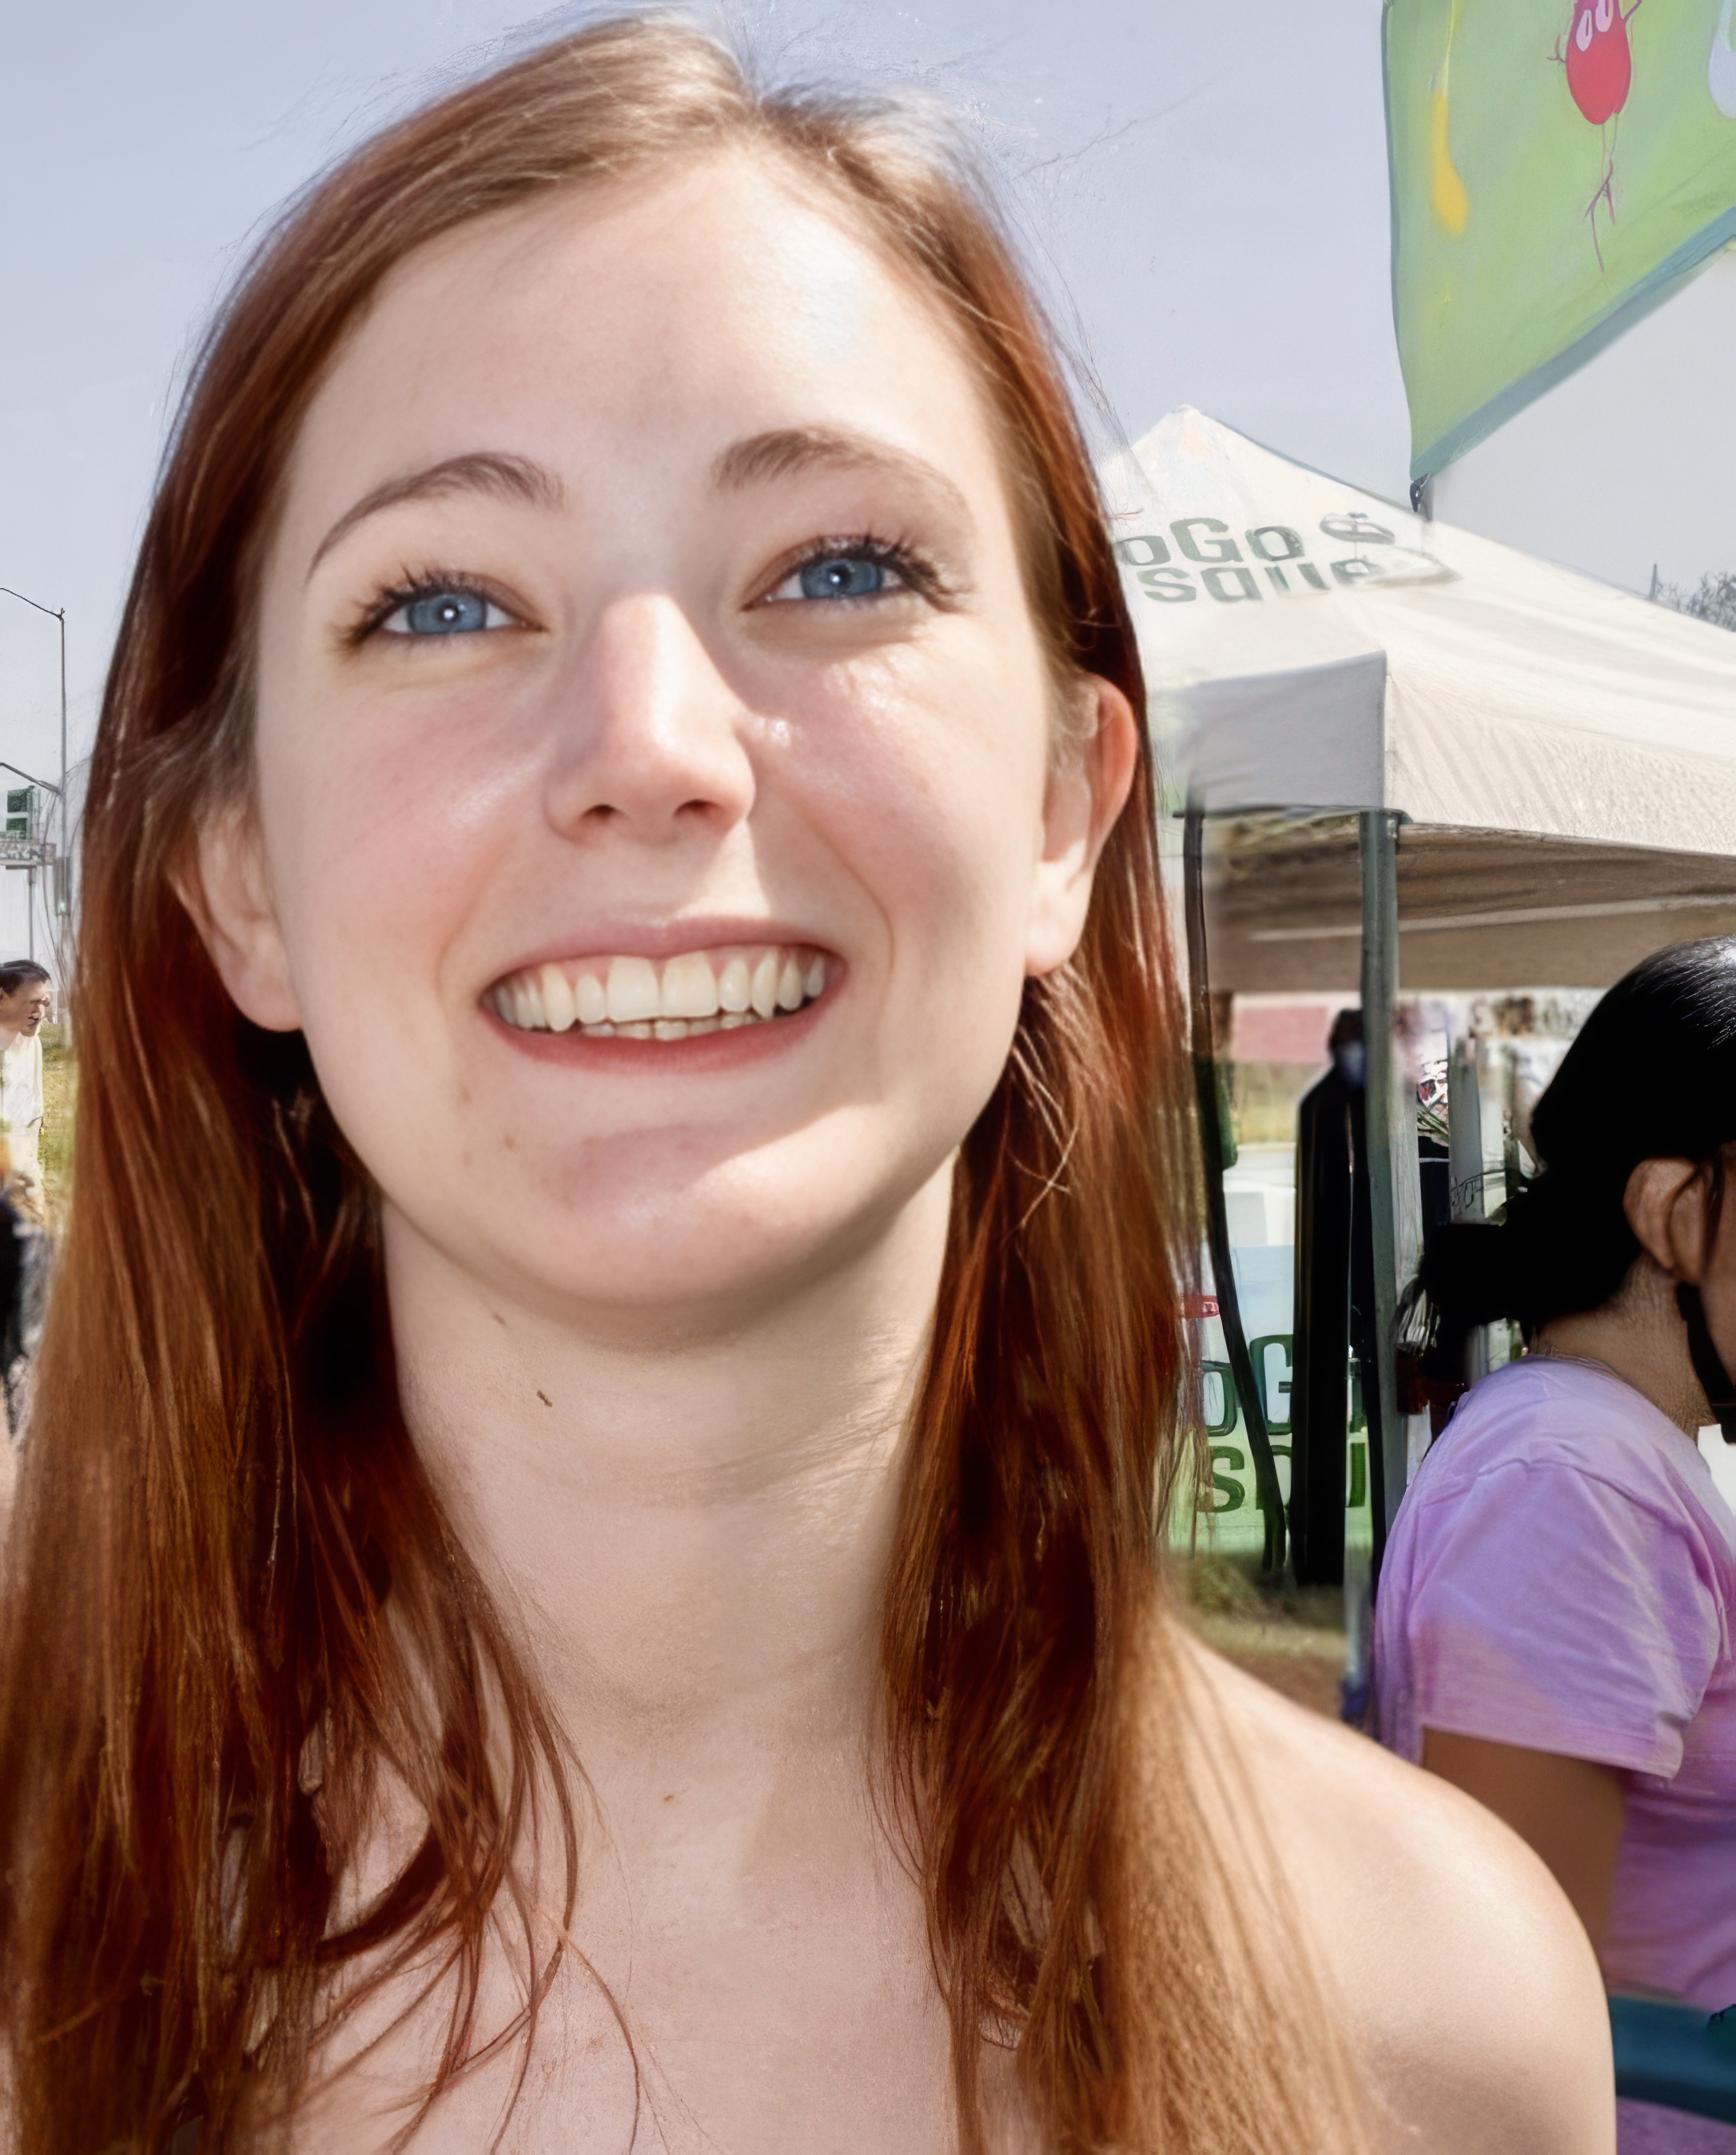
1639,1336
691,1532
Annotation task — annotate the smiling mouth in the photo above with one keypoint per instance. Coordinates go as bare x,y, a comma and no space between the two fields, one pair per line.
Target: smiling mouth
697,991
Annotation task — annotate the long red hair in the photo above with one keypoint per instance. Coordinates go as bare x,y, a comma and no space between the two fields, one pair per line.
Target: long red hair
219,1494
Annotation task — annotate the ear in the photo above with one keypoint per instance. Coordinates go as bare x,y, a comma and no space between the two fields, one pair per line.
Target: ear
228,896
1665,1202
1087,791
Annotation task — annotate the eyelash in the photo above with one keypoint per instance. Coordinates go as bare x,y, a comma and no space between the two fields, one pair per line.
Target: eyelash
414,584
911,565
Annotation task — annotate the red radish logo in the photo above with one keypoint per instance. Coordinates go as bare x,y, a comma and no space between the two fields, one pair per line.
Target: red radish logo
1599,63
1599,59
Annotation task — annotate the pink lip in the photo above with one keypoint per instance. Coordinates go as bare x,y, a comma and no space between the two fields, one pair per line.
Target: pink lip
663,939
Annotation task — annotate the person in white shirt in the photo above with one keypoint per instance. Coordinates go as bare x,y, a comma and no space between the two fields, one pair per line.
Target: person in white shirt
27,996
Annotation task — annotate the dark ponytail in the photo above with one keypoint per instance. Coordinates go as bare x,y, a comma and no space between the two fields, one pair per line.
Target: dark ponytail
1651,1076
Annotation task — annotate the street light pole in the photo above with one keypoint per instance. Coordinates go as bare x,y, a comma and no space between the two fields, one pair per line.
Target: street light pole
59,794
58,615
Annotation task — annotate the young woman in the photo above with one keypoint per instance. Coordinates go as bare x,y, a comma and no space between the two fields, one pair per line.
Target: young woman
1554,1630
584,1575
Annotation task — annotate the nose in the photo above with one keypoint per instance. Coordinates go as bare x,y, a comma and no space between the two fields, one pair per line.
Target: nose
651,738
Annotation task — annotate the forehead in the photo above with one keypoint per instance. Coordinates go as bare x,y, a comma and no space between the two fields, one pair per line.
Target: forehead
648,320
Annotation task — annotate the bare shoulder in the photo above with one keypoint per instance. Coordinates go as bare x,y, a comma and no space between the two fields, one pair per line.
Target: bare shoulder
1471,1996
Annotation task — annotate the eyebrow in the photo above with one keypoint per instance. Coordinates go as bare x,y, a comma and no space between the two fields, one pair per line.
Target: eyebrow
762,458
484,471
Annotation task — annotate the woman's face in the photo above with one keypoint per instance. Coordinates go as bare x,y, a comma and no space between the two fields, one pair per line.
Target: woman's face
657,819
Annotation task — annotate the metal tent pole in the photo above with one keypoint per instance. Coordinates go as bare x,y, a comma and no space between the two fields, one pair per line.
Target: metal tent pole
1391,1144
1212,1137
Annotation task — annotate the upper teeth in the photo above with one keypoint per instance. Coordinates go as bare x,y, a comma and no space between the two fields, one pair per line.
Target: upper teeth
698,992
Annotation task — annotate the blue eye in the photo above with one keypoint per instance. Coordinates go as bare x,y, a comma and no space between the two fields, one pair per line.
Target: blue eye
444,613
862,572
843,576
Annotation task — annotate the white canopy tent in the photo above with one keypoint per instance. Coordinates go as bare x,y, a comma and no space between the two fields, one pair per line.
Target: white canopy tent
1309,645
1415,749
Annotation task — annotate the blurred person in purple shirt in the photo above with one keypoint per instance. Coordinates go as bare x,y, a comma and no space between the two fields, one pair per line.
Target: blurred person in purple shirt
1554,1625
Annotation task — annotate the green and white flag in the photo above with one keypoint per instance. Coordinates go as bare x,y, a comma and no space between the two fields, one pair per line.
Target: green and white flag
1558,167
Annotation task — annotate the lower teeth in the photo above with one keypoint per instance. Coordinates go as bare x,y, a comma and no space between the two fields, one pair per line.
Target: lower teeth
667,1028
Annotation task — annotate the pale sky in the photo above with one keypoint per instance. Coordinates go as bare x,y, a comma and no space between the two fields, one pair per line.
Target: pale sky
1206,184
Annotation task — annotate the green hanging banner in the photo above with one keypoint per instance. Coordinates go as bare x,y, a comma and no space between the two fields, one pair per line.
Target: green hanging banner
1558,167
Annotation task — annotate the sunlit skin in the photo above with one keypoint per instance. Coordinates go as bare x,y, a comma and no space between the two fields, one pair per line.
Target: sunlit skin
659,1307
656,752
1571,1810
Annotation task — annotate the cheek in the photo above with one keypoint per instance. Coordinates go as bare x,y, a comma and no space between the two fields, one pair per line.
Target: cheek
380,822
929,808
927,782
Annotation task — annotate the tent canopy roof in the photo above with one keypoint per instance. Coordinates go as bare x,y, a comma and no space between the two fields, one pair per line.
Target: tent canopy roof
1564,752
1307,645
1477,909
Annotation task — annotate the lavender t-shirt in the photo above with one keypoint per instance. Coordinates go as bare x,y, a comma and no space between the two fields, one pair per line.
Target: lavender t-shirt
1562,1575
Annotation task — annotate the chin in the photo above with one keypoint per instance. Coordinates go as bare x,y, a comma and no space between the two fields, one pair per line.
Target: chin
691,1225
700,1255
697,1283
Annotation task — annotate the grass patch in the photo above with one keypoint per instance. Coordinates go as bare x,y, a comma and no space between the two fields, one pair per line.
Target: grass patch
60,1099
1214,1583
